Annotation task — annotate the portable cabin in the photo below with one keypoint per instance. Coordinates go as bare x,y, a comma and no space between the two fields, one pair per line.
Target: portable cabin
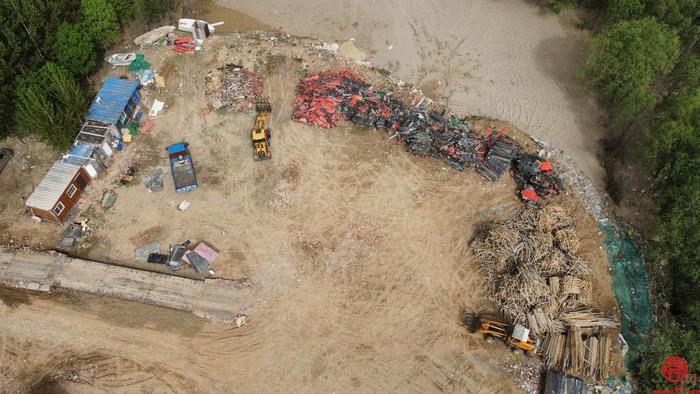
93,147
58,192
116,103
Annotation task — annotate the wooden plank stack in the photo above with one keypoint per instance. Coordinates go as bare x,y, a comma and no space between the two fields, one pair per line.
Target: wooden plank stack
535,277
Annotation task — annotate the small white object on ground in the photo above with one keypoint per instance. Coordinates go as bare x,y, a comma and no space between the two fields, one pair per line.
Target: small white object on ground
156,108
183,205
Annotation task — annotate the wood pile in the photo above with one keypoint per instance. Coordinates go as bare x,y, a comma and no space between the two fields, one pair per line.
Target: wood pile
535,277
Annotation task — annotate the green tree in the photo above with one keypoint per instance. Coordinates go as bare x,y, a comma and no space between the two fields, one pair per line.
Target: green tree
74,50
101,21
148,10
628,56
680,15
624,9
668,339
49,105
124,9
26,39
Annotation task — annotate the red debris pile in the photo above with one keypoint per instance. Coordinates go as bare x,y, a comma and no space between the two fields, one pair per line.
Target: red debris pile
320,97
536,179
183,45
326,98
232,86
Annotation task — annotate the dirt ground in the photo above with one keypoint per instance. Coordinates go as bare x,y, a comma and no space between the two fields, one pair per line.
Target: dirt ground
356,250
501,59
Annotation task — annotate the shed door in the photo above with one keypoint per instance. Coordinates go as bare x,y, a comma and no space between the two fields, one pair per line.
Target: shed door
81,182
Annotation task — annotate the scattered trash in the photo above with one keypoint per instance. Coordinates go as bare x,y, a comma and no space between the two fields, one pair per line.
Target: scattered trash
160,82
176,253
139,63
108,198
232,86
185,24
154,181
129,175
241,321
153,37
536,179
147,126
156,108
168,68
201,257
184,45
157,258
142,252
146,77
183,205
495,153
199,263
70,237
332,47
120,59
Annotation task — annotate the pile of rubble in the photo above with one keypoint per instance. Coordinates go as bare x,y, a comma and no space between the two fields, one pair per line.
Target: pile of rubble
535,277
326,98
536,179
232,86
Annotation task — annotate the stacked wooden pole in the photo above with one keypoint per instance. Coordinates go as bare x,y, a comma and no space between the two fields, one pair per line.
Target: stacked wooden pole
534,275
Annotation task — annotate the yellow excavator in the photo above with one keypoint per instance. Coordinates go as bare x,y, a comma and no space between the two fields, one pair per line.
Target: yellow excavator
261,134
516,337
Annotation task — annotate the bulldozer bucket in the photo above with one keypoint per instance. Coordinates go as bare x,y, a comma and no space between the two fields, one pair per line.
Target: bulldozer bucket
263,106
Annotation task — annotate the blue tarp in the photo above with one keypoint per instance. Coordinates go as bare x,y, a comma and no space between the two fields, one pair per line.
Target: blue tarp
114,95
80,155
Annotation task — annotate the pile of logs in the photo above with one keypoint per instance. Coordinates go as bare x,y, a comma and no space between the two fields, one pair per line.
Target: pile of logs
535,277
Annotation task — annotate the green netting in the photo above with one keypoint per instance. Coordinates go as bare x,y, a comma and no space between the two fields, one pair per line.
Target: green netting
630,286
139,63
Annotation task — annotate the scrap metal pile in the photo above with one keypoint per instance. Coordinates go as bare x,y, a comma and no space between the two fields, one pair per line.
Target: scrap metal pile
326,98
535,277
232,86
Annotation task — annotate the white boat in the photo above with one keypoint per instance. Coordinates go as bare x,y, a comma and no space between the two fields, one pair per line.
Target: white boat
185,24
121,59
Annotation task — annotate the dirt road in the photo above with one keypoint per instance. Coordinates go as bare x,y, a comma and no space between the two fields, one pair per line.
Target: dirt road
502,59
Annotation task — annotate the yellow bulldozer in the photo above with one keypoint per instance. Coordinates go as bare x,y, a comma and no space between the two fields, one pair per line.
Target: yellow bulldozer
261,134
517,337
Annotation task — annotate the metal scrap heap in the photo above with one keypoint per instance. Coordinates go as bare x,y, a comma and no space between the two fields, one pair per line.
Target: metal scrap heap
326,98
533,273
232,86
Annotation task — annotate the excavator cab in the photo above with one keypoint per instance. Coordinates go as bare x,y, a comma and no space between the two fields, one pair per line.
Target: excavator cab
261,134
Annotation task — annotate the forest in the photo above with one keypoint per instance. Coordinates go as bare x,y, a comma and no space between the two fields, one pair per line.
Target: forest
49,49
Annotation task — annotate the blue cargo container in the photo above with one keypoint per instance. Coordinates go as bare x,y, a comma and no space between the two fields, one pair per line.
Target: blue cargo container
181,167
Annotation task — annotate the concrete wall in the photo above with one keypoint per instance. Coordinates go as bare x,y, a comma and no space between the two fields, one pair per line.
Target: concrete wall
222,300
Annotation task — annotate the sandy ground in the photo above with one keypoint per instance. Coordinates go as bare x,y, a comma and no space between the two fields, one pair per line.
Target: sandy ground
502,59
356,250
22,173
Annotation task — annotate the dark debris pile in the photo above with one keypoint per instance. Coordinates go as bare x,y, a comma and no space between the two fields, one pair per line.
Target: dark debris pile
326,98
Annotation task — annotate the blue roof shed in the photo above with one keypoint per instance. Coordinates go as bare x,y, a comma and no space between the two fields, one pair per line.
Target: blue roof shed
114,95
